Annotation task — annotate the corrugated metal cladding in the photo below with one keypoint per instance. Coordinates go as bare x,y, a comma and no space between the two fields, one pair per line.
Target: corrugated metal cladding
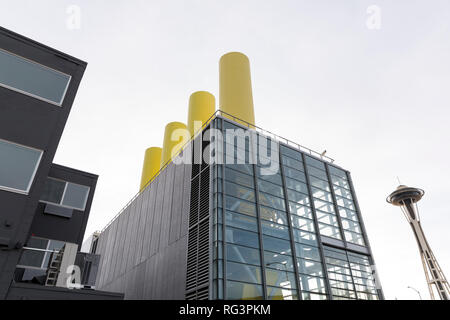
143,252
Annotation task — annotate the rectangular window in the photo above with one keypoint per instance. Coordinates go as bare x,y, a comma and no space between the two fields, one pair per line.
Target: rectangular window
270,188
278,261
243,272
32,79
280,278
275,230
239,178
65,194
18,166
239,192
273,215
271,201
241,237
243,291
241,206
281,294
276,245
243,255
241,221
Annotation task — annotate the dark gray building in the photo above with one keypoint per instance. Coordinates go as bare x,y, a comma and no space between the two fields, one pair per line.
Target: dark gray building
44,207
232,230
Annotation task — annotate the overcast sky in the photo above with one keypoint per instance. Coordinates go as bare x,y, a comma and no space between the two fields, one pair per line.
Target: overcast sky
376,99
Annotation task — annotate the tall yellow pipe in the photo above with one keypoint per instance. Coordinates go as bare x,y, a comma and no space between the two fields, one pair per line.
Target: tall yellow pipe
176,135
235,87
202,106
152,161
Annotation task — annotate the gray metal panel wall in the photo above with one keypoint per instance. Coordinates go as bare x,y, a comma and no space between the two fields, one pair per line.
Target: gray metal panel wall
143,252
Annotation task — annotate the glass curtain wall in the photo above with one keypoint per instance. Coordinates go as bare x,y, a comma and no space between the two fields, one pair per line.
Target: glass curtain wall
267,227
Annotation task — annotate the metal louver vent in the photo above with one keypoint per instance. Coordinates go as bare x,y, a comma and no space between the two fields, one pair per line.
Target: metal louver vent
198,251
193,213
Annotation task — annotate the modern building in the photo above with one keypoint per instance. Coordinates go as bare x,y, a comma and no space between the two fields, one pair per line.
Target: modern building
224,226
44,207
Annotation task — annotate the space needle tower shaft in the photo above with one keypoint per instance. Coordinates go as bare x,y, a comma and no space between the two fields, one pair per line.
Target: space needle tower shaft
406,198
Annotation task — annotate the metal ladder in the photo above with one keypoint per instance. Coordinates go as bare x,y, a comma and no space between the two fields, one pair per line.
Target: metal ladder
54,267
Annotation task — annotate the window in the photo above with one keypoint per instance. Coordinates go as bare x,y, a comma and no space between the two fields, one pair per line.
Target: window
307,252
239,191
243,272
275,230
271,201
241,206
278,261
276,245
273,215
65,194
38,251
281,294
33,79
18,166
243,291
243,255
241,221
242,237
279,278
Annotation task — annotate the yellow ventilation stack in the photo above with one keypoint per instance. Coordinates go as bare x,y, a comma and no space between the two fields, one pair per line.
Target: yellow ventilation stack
176,136
235,91
151,166
202,106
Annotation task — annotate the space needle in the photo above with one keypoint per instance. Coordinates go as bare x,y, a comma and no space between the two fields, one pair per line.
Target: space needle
406,198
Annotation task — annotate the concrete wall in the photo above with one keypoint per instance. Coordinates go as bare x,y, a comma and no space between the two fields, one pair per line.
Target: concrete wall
143,252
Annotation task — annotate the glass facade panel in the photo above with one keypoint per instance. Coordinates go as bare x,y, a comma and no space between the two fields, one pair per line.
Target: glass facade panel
271,201
312,284
295,174
297,197
281,294
307,252
241,221
309,267
243,272
302,223
305,237
276,245
275,230
243,291
278,261
241,206
239,178
300,210
350,275
293,163
270,188
273,215
279,278
239,192
242,237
